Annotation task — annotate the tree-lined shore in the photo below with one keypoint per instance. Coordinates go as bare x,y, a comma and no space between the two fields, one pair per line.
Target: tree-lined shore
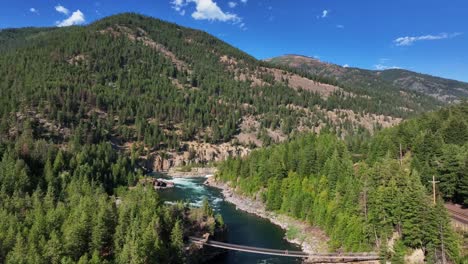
361,205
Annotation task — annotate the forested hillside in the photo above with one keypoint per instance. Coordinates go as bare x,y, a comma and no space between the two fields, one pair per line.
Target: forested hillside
391,81
69,97
173,92
363,204
438,144
84,110
73,206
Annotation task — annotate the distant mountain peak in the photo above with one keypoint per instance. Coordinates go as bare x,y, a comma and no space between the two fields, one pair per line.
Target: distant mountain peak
444,90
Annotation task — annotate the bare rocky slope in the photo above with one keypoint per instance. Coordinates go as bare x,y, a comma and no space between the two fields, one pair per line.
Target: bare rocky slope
444,90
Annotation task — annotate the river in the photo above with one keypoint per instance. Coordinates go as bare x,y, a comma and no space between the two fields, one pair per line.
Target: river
243,228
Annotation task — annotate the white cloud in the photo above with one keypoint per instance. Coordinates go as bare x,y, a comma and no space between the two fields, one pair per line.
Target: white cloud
209,10
324,13
232,4
381,67
206,10
242,26
244,1
62,9
76,18
346,65
178,6
340,26
178,3
408,41
33,10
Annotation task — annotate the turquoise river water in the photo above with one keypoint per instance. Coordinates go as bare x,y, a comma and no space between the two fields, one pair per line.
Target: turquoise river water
243,228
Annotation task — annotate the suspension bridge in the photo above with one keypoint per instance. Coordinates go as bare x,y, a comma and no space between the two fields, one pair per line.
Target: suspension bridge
330,257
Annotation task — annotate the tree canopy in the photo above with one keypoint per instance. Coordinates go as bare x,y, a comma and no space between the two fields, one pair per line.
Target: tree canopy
362,203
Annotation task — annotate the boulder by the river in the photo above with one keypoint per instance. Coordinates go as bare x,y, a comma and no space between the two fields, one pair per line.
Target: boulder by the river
157,183
162,184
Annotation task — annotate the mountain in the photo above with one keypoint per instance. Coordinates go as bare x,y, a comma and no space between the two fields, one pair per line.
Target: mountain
85,110
444,90
175,94
68,193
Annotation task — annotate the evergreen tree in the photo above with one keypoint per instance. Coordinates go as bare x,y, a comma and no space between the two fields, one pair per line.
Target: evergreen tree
206,208
53,250
177,242
456,131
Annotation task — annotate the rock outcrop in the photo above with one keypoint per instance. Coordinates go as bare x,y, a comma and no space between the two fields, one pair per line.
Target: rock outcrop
198,153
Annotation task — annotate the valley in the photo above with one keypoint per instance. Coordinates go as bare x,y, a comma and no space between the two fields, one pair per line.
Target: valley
300,154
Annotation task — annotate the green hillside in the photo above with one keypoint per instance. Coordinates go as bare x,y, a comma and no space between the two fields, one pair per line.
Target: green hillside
438,145
361,206
86,111
132,78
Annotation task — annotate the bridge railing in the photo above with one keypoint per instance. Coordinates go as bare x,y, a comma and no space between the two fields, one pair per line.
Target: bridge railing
290,253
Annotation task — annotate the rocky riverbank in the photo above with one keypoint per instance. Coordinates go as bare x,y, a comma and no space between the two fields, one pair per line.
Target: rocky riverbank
311,239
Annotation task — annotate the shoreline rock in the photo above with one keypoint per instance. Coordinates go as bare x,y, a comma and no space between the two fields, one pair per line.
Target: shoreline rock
156,183
313,241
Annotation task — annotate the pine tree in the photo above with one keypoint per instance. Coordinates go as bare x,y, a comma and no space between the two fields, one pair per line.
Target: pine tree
206,208
448,167
461,194
102,230
17,255
53,250
398,256
49,175
446,241
383,250
463,185
177,242
456,131
59,162
274,195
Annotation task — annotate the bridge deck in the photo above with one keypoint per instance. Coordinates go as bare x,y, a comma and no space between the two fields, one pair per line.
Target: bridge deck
286,253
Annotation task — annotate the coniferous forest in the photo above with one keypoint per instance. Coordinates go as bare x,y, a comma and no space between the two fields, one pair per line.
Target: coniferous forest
83,108
137,78
362,195
73,206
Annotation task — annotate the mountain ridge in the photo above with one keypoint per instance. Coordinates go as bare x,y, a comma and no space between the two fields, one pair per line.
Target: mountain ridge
179,94
87,111
444,90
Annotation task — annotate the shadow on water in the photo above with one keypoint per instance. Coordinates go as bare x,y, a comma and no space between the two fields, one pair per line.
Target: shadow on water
243,228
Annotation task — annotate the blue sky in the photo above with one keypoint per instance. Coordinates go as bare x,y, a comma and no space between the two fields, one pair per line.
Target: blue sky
428,36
